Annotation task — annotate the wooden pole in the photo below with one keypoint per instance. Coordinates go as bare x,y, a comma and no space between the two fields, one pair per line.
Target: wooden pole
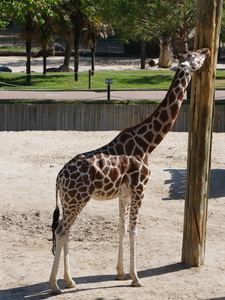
200,134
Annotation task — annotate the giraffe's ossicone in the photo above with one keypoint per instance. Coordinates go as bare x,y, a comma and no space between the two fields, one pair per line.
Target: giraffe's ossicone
118,170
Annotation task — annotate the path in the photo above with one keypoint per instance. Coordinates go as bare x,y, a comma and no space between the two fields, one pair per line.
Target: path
91,95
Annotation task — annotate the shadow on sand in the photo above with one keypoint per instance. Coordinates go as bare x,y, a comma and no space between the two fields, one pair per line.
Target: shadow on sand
178,181
42,290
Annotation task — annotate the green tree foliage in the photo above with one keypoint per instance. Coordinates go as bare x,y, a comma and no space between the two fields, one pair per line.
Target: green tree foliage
132,19
148,19
39,19
32,16
222,31
64,28
82,15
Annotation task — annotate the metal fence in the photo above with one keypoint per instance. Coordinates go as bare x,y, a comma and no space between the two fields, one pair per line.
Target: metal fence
103,45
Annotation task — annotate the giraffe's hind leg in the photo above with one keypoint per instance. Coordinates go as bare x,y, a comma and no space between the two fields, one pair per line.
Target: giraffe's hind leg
61,241
62,237
70,283
54,286
69,220
134,211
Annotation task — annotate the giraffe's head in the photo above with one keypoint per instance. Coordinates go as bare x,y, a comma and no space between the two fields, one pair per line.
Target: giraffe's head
192,60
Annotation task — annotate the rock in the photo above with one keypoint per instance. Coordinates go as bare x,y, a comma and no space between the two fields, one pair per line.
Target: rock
5,69
152,63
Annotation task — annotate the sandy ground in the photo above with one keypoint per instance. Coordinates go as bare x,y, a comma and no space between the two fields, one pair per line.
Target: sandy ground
18,63
30,162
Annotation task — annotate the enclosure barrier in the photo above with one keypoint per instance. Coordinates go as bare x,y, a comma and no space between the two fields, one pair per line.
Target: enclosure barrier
88,117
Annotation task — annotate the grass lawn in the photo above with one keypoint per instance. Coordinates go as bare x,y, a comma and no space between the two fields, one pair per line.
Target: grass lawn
124,79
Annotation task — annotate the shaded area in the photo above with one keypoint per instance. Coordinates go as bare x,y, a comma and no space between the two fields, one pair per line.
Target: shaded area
177,184
165,80
37,80
216,298
42,290
178,181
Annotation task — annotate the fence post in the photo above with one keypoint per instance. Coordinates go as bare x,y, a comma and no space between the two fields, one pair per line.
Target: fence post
108,81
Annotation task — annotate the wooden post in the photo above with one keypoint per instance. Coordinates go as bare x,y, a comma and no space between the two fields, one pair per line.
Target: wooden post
200,134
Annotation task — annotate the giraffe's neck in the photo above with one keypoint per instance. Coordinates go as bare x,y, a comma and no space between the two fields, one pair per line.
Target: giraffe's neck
144,137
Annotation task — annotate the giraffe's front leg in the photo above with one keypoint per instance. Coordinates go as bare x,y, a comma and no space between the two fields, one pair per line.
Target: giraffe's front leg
123,214
67,275
134,210
133,271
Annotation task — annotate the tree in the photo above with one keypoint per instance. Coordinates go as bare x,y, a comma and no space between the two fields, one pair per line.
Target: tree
29,32
64,28
158,20
146,19
45,36
79,20
222,31
77,13
96,29
84,16
186,12
125,17
29,15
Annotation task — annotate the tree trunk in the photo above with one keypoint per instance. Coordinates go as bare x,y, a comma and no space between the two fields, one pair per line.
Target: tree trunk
44,64
28,38
76,54
183,34
93,50
44,47
28,64
165,55
143,54
200,135
79,20
68,53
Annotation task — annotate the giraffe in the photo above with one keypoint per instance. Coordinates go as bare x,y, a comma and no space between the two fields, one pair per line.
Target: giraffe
118,169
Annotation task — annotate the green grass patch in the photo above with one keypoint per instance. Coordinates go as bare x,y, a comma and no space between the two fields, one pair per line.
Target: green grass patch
220,79
124,79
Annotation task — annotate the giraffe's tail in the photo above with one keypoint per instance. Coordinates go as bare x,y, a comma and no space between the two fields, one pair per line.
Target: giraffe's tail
55,222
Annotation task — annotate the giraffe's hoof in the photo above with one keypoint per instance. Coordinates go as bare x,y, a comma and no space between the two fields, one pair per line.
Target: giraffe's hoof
121,277
70,285
56,291
136,283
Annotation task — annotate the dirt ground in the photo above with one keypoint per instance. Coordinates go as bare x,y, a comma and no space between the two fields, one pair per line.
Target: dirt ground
18,63
30,162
